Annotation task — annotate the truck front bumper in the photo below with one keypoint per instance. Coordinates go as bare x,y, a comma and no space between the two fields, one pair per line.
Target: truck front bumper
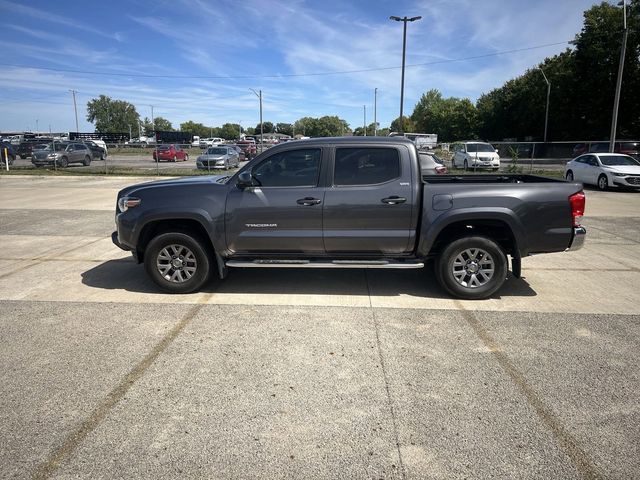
579,234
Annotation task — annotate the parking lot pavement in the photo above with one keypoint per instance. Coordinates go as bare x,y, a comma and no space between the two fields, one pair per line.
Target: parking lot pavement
314,374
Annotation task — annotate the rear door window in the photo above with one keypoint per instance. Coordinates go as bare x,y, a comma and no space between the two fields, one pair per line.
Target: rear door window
366,166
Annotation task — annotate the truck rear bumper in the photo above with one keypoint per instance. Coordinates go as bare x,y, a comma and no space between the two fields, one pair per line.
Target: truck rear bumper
579,234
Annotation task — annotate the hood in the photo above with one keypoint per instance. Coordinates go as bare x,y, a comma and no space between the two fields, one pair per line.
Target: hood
212,157
630,169
197,180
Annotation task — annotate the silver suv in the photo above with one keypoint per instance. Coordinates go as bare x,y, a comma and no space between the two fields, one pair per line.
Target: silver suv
62,154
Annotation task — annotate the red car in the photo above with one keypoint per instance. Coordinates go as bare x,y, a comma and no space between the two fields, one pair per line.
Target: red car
170,153
248,148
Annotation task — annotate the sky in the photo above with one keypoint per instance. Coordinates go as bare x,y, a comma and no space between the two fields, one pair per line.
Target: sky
198,60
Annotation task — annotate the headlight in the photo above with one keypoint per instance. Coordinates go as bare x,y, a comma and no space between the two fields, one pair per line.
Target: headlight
53,155
125,203
619,174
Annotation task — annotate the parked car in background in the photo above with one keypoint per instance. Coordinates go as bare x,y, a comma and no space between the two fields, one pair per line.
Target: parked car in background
431,164
248,148
218,157
604,170
475,155
62,154
241,155
626,147
97,152
210,142
170,153
10,153
25,148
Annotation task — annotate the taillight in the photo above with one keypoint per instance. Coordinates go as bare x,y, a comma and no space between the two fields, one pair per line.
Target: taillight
441,170
577,201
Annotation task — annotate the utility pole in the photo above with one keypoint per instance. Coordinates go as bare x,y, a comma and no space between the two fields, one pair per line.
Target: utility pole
37,128
259,95
153,125
546,115
364,107
616,100
404,51
375,112
75,108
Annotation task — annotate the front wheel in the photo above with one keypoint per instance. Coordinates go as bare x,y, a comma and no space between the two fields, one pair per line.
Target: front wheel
569,176
87,161
466,165
177,262
63,163
603,184
472,268
186,158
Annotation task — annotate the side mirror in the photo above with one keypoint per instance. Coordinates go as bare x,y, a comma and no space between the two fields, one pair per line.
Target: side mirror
245,180
496,150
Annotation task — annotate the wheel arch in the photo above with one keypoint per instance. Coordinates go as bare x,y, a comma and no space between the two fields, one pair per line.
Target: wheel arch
501,227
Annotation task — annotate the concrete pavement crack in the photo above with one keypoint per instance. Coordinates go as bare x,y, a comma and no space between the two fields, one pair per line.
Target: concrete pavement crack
561,435
386,380
93,421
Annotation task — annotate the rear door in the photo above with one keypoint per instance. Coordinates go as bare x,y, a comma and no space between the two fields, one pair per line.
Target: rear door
368,207
282,213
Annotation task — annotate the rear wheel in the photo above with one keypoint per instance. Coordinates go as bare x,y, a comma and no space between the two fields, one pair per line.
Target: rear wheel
177,262
472,268
569,176
603,184
87,161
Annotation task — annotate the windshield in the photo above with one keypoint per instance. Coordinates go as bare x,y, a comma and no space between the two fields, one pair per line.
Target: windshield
480,147
163,147
217,151
614,160
630,146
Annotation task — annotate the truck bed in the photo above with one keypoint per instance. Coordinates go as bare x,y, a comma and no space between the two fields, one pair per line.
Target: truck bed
488,178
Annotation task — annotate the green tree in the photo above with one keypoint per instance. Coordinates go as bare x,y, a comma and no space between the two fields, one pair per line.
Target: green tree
284,128
407,122
111,116
267,127
229,131
198,129
162,124
450,118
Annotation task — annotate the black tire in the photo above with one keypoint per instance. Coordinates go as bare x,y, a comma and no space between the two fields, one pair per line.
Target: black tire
603,183
63,163
569,176
155,259
455,258
466,165
87,161
226,164
103,156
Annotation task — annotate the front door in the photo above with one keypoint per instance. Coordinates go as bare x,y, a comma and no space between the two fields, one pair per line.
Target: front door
368,207
282,212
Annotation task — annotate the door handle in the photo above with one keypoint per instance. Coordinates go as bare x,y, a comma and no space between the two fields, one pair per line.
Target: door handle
393,200
308,201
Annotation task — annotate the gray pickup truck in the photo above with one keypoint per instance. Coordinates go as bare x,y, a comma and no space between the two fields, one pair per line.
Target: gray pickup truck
350,202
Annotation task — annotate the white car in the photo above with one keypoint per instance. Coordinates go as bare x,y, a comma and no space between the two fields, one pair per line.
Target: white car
474,155
604,170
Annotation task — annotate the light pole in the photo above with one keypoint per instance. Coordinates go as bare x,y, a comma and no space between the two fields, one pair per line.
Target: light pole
364,107
375,112
404,51
616,100
546,115
75,108
259,95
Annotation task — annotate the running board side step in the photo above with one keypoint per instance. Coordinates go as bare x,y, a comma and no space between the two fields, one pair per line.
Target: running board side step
320,264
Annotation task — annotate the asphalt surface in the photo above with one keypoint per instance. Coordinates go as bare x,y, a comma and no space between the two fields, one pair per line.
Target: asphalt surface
309,373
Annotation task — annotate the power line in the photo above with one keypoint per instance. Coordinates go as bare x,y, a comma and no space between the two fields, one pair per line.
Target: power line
286,75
